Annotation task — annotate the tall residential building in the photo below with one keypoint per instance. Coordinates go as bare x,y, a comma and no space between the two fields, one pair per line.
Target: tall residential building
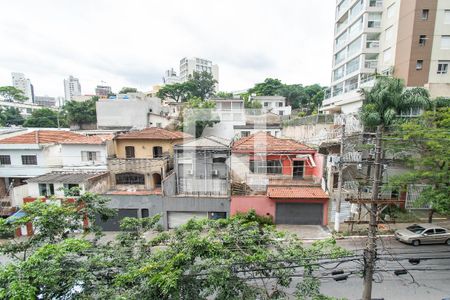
24,84
409,39
45,101
189,65
72,88
103,91
170,77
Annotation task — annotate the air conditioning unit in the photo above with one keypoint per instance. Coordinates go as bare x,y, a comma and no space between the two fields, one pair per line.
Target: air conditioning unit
215,172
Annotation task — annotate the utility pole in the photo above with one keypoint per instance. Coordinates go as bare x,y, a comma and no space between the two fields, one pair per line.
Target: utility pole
337,221
370,251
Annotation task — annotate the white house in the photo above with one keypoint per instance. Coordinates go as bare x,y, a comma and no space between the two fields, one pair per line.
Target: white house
274,104
231,112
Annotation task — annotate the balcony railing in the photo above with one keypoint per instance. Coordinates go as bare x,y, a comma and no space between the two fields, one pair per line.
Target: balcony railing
371,64
351,87
203,187
372,44
376,3
310,120
374,24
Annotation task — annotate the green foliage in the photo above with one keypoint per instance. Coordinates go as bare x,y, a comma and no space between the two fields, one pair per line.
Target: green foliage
424,144
197,115
179,92
235,258
269,87
385,101
11,116
224,95
44,117
11,93
81,112
251,216
201,85
126,90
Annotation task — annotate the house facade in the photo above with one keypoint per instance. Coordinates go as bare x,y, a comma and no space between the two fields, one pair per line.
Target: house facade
280,178
274,104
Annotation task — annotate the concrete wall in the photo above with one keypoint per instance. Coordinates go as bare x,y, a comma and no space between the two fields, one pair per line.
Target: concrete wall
261,204
144,148
72,158
161,205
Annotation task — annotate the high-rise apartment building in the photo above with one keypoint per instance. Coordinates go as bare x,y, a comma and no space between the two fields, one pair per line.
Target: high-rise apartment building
19,81
72,88
409,39
170,77
45,101
103,91
189,65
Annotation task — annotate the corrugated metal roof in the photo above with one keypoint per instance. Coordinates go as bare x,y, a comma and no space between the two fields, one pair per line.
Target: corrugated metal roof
65,177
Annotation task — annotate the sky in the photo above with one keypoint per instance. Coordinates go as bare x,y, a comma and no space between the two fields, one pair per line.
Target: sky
132,43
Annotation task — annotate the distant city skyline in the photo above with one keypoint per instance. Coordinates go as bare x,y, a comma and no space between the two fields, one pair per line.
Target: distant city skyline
251,40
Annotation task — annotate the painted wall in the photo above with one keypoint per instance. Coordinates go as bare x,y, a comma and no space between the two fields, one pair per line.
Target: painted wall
144,148
261,204
33,189
71,156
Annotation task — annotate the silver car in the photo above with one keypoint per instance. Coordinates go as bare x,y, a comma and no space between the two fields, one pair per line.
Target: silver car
418,234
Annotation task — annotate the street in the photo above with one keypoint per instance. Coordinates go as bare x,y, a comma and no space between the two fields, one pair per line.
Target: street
429,279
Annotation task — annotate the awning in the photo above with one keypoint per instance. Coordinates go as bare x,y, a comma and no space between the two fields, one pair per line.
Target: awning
17,215
306,157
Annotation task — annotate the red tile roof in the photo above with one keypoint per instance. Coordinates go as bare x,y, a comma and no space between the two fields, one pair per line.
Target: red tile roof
265,142
43,137
300,192
153,133
93,139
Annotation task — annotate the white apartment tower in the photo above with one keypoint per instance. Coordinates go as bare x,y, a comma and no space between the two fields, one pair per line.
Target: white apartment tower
24,84
72,88
409,39
189,65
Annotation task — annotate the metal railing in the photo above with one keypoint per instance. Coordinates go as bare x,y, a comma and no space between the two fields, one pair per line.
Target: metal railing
376,3
373,44
374,24
371,64
207,187
310,120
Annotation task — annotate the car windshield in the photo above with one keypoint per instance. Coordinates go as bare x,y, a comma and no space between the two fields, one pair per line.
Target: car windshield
415,228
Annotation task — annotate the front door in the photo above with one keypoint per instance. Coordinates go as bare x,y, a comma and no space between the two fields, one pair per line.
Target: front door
299,167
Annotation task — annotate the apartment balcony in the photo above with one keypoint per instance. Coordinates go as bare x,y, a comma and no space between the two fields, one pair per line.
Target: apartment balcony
351,87
371,64
373,24
372,44
203,187
376,3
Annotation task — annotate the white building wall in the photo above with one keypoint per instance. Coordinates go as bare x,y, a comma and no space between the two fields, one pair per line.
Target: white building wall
24,84
72,156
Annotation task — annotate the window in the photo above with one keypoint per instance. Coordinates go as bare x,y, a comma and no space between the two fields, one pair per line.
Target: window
129,151
130,178
266,167
46,189
425,13
266,104
445,42
157,151
442,67
419,64
352,65
390,11
447,17
280,104
340,56
440,230
422,39
89,155
354,47
280,112
338,73
245,133
5,160
428,232
29,160
145,213
219,160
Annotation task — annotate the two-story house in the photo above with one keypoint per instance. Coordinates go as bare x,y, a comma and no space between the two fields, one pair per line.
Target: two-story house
268,122
274,104
281,178
230,112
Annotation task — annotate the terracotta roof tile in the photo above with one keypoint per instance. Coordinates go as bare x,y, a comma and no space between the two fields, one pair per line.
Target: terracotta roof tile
153,133
92,139
297,192
265,142
42,137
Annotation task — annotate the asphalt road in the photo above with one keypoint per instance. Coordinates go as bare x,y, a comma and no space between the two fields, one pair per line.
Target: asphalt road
430,279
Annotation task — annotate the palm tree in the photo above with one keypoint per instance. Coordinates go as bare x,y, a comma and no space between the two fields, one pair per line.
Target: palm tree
383,103
387,99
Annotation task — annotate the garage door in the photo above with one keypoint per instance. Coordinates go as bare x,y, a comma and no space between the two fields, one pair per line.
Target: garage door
113,224
299,213
176,218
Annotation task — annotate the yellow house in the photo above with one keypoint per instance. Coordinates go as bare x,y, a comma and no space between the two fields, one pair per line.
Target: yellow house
142,158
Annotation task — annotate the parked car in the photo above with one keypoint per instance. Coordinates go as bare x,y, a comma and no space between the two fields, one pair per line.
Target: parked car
418,234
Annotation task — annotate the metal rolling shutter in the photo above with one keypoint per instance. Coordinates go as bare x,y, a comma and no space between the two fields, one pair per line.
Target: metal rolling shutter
299,213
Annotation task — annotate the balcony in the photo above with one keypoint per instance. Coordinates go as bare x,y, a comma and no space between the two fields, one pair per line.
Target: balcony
374,24
351,87
371,64
373,44
203,187
375,3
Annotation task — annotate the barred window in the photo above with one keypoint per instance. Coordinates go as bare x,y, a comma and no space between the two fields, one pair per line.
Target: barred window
5,160
130,178
29,160
266,167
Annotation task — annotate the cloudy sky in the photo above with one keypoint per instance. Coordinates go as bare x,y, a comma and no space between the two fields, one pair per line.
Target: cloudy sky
132,43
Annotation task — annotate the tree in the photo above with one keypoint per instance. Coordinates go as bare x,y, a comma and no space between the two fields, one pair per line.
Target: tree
201,85
126,90
81,112
44,117
197,115
424,145
224,95
177,91
11,116
11,93
235,258
270,87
